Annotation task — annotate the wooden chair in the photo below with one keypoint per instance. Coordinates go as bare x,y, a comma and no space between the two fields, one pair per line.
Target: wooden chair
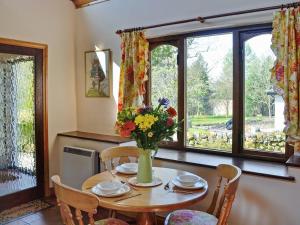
118,155
215,215
111,157
69,198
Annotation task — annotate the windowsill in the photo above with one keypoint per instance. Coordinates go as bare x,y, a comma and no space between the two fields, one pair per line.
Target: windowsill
294,160
115,139
248,166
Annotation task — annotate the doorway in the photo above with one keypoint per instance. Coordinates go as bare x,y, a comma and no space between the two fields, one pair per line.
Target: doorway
23,122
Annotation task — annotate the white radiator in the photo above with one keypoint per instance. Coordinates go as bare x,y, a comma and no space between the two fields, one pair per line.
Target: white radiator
77,165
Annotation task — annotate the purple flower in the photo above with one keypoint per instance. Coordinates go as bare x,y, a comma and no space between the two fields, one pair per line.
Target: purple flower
164,101
145,110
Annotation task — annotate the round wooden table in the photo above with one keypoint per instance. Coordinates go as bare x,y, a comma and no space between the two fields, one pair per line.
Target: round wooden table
145,201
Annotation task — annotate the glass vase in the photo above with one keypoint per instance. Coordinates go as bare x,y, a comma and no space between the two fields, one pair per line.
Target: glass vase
144,174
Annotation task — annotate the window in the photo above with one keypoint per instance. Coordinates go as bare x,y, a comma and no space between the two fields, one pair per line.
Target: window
220,83
209,92
263,114
164,75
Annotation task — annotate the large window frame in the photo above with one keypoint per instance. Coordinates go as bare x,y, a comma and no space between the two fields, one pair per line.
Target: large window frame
240,35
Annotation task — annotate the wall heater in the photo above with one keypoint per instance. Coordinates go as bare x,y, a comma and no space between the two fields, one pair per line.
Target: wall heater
77,165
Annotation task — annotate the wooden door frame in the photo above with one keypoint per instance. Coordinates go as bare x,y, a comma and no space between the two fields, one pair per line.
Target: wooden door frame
44,49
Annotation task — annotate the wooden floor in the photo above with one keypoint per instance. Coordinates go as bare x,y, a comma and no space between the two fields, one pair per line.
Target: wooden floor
48,216
51,216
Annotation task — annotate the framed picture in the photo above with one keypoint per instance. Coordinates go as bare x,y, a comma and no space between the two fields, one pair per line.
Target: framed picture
98,72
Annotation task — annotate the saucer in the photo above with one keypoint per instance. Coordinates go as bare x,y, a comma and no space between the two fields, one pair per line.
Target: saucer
109,187
198,185
155,182
188,179
123,190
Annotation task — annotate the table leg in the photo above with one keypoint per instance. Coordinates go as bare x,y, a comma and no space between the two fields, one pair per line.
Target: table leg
146,218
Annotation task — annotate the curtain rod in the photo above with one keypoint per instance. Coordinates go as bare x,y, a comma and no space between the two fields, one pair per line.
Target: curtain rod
203,19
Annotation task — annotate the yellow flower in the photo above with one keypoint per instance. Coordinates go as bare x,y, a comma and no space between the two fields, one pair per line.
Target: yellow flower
145,122
150,134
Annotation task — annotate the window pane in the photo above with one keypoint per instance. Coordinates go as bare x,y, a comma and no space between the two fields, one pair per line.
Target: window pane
164,75
264,120
209,92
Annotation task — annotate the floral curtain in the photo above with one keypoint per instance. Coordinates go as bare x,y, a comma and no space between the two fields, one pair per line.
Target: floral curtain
286,71
134,66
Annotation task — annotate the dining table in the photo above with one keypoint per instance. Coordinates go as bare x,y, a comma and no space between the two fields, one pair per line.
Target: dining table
146,201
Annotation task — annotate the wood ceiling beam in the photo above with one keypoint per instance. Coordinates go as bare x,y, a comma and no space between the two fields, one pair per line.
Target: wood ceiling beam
81,3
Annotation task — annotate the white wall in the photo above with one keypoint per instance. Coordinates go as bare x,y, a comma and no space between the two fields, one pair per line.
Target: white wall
260,201
96,26
50,22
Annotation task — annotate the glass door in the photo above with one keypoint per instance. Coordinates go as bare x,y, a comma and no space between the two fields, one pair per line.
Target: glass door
21,125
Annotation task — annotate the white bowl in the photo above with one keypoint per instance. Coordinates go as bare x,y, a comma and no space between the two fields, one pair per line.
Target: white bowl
130,166
188,179
109,187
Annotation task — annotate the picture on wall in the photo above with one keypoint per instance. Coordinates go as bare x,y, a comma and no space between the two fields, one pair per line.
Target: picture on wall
98,69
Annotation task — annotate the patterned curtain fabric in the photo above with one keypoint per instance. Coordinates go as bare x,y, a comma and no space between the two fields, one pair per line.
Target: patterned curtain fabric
134,66
286,71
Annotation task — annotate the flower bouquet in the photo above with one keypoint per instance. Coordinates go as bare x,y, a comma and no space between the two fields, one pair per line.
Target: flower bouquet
147,126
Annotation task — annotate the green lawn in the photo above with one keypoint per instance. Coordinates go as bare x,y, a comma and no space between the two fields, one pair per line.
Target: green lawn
213,120
209,120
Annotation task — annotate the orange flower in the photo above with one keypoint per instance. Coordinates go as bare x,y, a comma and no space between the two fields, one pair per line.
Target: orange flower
172,112
125,133
127,128
129,125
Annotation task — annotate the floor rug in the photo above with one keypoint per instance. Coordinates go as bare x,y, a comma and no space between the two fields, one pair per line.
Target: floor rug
14,213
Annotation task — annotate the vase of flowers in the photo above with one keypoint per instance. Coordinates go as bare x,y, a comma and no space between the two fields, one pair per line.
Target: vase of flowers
147,126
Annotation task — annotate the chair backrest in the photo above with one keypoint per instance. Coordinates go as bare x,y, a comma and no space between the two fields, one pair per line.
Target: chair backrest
68,198
231,174
119,155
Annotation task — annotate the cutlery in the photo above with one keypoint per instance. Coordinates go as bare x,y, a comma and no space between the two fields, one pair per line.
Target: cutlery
90,187
113,175
127,197
167,186
182,192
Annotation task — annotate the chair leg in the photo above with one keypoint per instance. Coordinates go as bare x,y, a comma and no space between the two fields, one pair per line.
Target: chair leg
111,213
154,219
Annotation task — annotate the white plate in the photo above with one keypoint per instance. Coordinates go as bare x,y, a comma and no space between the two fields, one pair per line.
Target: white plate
123,190
198,185
155,182
188,179
121,169
109,187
